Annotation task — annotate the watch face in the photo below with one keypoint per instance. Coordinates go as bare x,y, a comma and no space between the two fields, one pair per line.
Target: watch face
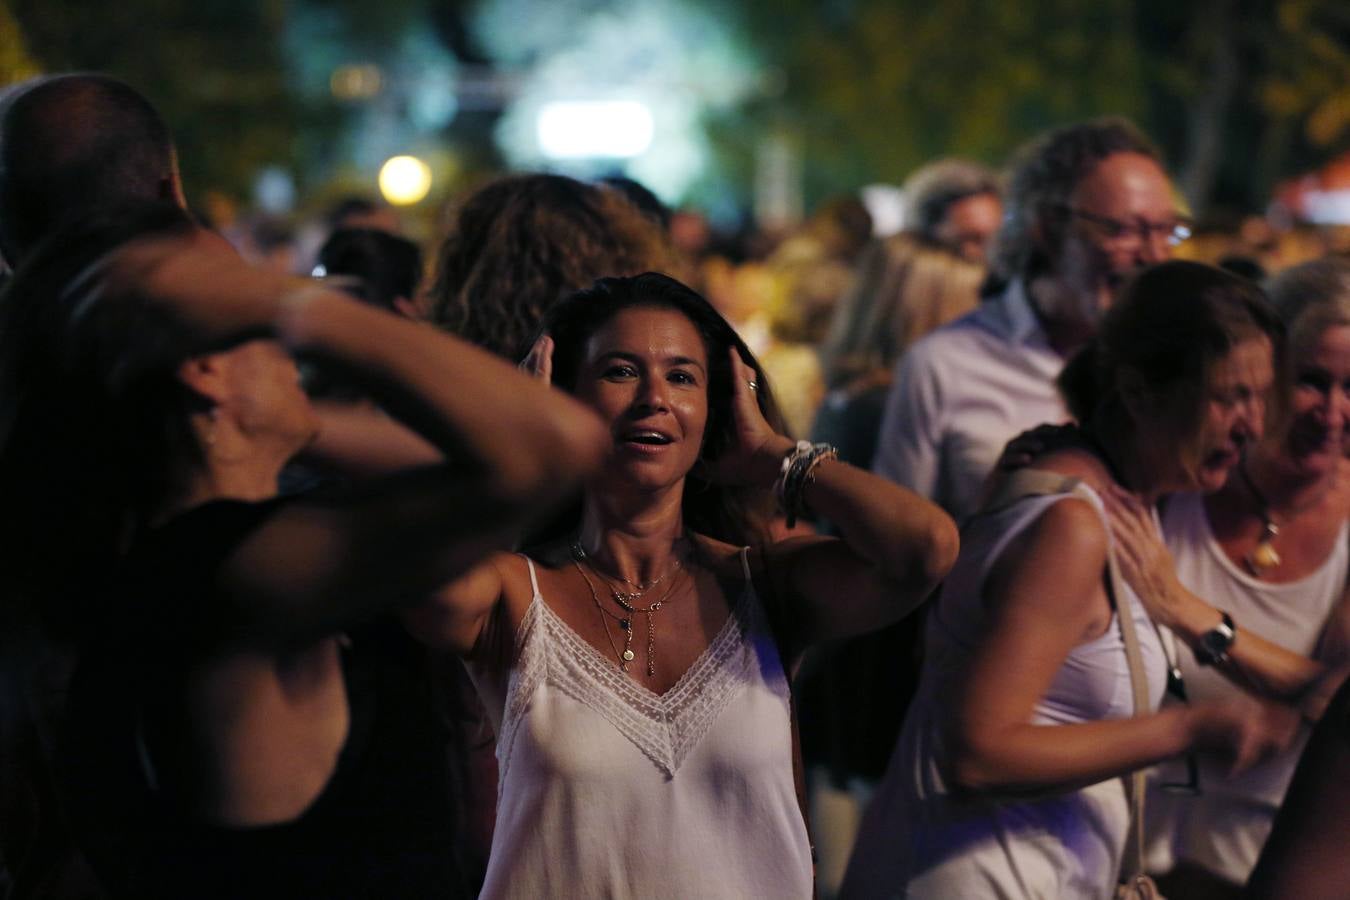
1215,642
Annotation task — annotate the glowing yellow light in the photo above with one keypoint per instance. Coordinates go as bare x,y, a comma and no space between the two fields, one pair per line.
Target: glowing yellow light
404,180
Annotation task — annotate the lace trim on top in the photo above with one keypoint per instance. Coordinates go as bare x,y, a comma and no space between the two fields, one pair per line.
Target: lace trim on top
665,727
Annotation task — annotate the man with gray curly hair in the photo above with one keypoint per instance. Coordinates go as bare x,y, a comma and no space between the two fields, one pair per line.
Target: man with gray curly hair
1087,206
955,204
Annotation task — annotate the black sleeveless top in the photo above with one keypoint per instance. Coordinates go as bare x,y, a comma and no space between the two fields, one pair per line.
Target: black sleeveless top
384,825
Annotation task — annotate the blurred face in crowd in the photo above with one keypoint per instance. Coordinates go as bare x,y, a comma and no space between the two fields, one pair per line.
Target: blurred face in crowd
263,396
969,226
1231,414
1319,402
1119,218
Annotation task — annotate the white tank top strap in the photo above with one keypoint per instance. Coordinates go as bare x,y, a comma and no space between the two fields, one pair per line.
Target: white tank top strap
534,580
745,563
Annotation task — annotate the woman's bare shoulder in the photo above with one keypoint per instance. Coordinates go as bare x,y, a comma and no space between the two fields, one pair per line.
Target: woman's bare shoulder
721,558
1080,463
1053,566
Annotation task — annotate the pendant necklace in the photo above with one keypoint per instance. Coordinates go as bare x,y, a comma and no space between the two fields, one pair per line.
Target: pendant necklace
1264,556
627,655
625,601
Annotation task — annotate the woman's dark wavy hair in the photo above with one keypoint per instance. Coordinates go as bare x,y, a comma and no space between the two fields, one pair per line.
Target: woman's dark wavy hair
521,243
735,515
1168,328
94,424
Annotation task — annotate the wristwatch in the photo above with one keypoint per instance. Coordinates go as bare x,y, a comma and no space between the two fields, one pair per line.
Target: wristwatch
1212,648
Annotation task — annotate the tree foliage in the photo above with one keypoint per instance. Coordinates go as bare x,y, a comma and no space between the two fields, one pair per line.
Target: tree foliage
212,68
1237,92
16,63
877,87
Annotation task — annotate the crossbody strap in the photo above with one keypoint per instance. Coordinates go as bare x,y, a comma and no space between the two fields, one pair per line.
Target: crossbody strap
1134,782
1026,483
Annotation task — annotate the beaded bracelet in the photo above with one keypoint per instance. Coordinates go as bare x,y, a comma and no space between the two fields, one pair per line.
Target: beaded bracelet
799,470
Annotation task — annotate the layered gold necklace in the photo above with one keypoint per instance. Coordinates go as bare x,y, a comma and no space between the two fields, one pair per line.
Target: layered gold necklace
627,601
1264,556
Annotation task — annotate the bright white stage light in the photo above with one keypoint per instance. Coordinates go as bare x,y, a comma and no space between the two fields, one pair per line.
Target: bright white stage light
616,129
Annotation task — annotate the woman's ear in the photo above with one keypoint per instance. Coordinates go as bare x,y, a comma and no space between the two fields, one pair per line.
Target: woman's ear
207,375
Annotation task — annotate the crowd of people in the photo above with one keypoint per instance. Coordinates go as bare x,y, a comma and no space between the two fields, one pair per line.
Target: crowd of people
523,579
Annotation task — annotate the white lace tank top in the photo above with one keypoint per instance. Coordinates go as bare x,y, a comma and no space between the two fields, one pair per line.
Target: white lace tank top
609,790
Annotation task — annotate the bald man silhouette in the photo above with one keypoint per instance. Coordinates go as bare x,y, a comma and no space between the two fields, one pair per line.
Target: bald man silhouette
75,144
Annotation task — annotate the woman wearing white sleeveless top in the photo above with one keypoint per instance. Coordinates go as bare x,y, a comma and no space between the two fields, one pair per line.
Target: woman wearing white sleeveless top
636,665
1269,551
1006,779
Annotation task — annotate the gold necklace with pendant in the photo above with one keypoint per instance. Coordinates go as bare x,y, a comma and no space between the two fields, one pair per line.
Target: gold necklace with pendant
626,600
1264,556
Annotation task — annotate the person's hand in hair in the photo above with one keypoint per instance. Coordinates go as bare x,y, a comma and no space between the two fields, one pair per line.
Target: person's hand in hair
756,455
539,361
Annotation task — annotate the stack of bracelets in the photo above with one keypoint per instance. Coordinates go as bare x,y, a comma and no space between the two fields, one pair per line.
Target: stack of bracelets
799,470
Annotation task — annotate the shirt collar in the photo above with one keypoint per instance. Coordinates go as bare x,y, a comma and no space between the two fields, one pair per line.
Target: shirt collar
1017,320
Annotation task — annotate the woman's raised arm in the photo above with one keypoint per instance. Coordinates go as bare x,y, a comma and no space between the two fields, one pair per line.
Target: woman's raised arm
515,446
896,546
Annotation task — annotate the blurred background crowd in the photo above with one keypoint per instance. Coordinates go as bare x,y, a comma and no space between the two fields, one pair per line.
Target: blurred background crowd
779,142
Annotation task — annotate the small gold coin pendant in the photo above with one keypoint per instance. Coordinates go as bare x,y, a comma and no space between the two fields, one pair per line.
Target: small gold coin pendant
1263,557
628,656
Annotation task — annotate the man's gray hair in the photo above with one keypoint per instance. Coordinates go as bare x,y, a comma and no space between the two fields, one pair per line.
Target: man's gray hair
1045,172
932,189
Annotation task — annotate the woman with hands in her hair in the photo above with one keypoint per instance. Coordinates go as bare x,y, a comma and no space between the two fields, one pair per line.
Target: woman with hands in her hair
225,739
1251,582
637,662
1006,780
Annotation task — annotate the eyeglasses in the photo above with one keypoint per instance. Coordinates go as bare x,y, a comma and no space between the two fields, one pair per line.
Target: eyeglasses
1134,233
